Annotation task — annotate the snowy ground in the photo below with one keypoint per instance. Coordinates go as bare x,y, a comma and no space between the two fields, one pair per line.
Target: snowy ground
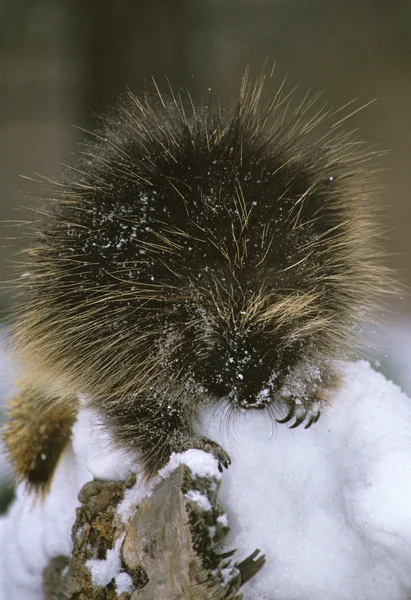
329,506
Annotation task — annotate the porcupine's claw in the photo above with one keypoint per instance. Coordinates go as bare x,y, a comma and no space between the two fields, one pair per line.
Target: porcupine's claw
288,417
313,419
299,420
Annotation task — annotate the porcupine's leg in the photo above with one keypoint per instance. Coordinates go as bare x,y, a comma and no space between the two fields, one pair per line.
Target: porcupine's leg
155,428
35,439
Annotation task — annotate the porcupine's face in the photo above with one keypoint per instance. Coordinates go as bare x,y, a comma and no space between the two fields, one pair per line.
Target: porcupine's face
253,328
249,373
260,307
256,338
262,370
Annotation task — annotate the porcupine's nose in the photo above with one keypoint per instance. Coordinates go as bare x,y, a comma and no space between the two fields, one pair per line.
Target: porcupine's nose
239,369
245,377
254,393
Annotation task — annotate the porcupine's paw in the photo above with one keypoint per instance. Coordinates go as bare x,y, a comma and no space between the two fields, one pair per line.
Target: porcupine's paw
207,445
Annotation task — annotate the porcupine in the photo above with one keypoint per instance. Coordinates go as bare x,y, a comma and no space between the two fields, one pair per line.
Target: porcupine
192,256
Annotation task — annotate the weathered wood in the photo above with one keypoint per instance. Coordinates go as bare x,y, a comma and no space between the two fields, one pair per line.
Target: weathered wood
171,548
94,532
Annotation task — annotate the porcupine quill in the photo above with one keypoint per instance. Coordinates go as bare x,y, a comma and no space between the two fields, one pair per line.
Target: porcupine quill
192,256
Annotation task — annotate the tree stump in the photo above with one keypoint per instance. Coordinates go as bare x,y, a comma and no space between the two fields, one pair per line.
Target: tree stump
170,548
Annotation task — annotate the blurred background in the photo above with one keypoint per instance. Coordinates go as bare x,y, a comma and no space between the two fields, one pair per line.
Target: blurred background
61,62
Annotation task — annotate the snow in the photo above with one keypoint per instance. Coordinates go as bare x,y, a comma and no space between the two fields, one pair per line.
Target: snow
99,455
200,499
329,506
200,463
104,570
124,583
132,498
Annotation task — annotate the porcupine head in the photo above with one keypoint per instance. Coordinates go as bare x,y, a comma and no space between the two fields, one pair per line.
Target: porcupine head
192,256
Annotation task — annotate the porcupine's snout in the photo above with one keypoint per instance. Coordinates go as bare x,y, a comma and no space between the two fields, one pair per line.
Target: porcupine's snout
250,381
243,371
256,370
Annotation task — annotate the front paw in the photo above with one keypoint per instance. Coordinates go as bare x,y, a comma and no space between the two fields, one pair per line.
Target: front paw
216,450
207,445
